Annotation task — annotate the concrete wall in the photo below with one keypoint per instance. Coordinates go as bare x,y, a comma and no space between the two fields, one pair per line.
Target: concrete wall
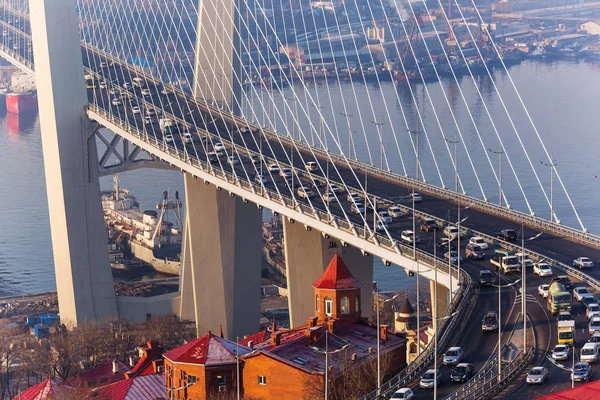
222,260
307,255
139,308
81,262
443,297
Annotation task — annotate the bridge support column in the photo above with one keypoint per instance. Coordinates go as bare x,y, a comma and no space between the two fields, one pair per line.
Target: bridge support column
442,299
83,276
307,254
221,261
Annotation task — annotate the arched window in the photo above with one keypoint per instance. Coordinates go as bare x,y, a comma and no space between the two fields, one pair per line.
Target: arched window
345,305
413,347
317,305
328,306
357,304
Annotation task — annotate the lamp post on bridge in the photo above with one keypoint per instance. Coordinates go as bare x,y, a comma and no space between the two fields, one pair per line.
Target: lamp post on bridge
350,137
455,142
524,285
293,100
500,287
318,108
414,227
379,334
379,125
552,165
499,153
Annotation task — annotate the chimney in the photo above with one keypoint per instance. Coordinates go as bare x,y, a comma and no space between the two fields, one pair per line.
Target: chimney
383,332
276,339
332,325
132,361
370,350
251,344
115,367
311,335
312,321
353,357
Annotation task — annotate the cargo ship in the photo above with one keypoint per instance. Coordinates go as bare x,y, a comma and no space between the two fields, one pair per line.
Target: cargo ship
22,96
146,235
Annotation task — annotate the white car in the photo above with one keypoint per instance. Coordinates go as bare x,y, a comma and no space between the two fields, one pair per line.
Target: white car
357,208
334,188
328,196
428,379
103,65
259,178
305,192
451,231
233,160
188,137
594,325
116,102
416,196
403,394
528,261
353,197
219,147
542,269
385,217
583,262
560,352
593,310
136,110
537,375
479,241
453,356
126,85
395,211
285,172
148,120
312,166
150,112
408,237
113,91
273,168
579,292
169,138
145,92
102,85
544,290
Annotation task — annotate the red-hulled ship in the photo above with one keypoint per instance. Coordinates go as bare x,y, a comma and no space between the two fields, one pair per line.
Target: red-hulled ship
21,102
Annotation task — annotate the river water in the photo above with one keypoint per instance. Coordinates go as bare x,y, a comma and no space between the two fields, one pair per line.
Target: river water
561,96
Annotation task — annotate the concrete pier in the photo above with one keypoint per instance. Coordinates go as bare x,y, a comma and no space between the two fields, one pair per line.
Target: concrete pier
441,297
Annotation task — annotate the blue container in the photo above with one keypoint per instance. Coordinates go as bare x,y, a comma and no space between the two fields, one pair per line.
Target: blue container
41,331
49,319
31,321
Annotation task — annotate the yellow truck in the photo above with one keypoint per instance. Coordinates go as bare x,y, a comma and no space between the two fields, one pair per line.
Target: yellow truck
566,332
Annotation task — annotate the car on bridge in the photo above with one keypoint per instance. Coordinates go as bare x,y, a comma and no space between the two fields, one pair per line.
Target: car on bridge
582,262
582,371
428,225
507,234
462,372
219,146
403,394
453,356
104,65
542,269
544,290
328,197
305,192
274,168
594,325
335,188
592,310
312,166
453,257
595,338
428,380
479,241
254,159
385,217
357,208
233,160
474,252
486,278
416,197
259,178
447,243
408,237
537,375
565,281
381,226
116,102
561,352
395,211
564,316
588,299
524,260
353,197
490,321
590,352
451,231
579,291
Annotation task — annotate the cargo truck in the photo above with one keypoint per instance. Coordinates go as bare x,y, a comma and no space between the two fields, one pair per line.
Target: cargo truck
566,332
559,299
502,260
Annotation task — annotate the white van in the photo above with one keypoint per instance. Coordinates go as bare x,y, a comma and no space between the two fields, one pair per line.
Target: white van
139,82
589,352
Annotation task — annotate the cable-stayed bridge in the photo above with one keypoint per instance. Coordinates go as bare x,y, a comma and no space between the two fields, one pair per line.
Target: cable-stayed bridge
200,88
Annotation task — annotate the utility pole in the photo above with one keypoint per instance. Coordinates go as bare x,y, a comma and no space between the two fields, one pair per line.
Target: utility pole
552,165
499,153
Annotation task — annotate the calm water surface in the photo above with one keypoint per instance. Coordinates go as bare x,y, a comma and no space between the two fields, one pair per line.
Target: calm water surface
562,98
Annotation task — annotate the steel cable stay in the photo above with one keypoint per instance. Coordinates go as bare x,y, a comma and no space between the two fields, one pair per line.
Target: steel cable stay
530,121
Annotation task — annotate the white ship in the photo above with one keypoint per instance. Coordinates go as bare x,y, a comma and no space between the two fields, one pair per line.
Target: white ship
146,235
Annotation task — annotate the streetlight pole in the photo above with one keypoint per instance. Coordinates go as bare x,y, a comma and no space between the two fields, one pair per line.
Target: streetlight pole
379,124
350,138
500,287
499,153
455,142
552,165
318,108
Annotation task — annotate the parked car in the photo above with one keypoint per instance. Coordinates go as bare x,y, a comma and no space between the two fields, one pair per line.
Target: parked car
507,234
428,225
582,371
453,356
428,379
462,372
544,290
579,291
490,321
474,252
582,262
537,375
486,278
561,352
542,269
479,241
395,211
403,394
592,310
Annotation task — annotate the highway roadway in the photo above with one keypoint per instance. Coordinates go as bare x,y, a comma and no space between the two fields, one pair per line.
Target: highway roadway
478,346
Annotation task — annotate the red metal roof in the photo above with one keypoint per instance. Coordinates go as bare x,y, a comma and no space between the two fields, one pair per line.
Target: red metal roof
102,374
42,391
207,350
256,338
138,388
589,391
337,276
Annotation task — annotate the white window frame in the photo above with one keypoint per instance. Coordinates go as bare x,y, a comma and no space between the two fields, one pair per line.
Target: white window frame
262,380
328,306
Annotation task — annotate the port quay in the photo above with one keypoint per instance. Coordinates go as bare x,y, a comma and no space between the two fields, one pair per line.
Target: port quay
299,200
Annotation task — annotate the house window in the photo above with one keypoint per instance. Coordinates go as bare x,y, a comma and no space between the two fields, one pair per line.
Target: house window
317,305
191,379
221,379
262,380
357,304
328,306
345,305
